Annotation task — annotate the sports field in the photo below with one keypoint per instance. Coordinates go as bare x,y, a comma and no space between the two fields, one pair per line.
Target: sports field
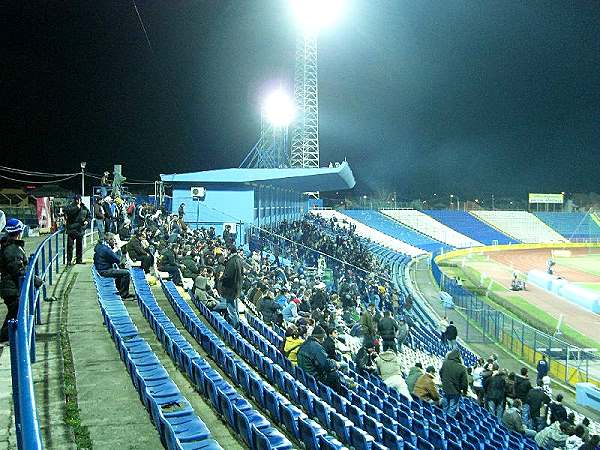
493,271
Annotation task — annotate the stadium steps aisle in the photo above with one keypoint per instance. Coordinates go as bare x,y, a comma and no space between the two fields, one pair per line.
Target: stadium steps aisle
219,430
109,404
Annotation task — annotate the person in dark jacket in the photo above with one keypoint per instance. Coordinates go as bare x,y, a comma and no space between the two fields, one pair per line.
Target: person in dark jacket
495,393
542,367
451,334
137,252
77,218
388,328
365,359
557,411
231,285
181,211
535,399
13,264
313,360
454,382
107,259
268,308
329,345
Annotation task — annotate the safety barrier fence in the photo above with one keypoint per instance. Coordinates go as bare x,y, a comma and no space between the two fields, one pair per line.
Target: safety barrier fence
487,324
44,263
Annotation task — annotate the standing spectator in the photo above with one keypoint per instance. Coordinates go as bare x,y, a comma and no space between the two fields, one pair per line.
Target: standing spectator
512,420
13,264
542,368
181,211
495,393
558,413
231,284
403,332
390,369
99,217
535,399
454,382
425,388
451,334
585,423
368,324
388,328
522,388
478,380
77,218
414,374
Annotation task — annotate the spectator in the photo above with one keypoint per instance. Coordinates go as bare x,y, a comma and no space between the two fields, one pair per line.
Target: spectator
403,332
495,393
536,398
451,334
292,344
592,444
553,436
368,324
510,388
365,359
546,385
329,345
181,211
231,285
512,420
390,370
268,308
13,264
542,368
290,311
585,423
425,388
478,380
77,218
558,413
167,262
414,374
575,441
137,252
388,328
99,217
107,258
313,360
522,388
454,382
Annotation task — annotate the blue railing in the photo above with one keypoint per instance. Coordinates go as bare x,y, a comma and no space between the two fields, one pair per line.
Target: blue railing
43,263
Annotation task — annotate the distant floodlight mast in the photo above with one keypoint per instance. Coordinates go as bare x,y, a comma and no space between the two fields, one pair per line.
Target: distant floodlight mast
312,16
279,109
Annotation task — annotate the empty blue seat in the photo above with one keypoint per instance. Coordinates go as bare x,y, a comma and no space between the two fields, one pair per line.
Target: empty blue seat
289,418
310,433
322,413
355,415
328,442
391,440
373,427
359,439
341,426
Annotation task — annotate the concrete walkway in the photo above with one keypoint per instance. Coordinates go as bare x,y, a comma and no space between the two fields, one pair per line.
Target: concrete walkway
423,280
109,404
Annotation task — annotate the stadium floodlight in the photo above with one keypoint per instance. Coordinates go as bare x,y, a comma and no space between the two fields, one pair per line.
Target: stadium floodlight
279,109
314,15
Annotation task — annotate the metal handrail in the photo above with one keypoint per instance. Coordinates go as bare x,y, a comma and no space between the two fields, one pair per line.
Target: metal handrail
47,256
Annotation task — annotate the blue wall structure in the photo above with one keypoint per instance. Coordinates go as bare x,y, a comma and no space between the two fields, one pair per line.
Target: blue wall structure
246,197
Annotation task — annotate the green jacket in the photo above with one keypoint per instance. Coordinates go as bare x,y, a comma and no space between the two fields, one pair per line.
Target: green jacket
413,376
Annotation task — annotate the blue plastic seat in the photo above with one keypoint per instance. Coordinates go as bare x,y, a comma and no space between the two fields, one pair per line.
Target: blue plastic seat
373,427
328,442
359,439
289,419
391,440
322,413
307,400
355,415
341,426
310,433
422,444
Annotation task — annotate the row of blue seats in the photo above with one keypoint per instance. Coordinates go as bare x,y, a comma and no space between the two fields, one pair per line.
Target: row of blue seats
428,422
471,226
255,430
172,414
576,226
278,406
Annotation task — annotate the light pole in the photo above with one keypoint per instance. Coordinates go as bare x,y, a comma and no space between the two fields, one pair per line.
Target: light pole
83,163
457,201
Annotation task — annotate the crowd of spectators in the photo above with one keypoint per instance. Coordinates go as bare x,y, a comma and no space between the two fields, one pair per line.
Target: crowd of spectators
359,316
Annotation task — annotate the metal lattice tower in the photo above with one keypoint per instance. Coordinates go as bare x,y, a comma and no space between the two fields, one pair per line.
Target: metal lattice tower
305,136
272,149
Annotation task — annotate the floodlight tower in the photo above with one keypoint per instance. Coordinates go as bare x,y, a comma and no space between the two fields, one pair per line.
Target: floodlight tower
312,16
273,147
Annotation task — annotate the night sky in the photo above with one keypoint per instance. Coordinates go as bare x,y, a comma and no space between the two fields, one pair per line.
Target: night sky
419,96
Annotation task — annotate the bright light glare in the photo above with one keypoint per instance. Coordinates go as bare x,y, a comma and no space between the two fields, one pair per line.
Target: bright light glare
314,15
279,109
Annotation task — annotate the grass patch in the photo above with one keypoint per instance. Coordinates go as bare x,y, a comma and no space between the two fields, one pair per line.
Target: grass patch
72,418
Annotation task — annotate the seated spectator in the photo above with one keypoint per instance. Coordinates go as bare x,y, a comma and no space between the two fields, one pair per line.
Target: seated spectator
107,260
557,411
425,388
513,420
575,441
329,345
292,344
313,360
167,262
553,436
365,359
203,291
268,308
414,374
137,252
592,444
390,369
290,310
